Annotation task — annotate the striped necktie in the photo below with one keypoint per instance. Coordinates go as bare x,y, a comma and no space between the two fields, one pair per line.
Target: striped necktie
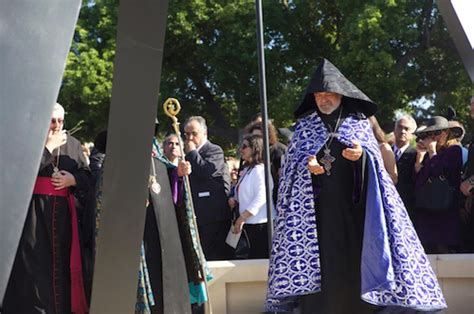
398,154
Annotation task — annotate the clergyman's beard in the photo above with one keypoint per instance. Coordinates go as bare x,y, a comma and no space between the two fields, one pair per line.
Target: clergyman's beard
329,109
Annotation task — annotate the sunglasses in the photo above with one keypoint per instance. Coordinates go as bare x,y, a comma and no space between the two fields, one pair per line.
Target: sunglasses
424,135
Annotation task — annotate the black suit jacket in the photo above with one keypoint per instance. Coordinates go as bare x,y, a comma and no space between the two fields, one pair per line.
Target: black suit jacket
406,182
470,160
210,184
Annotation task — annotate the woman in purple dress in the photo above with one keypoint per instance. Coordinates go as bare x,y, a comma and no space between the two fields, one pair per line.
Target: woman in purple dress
439,231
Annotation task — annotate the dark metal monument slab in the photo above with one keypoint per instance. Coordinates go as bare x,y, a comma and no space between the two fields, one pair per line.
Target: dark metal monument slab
35,37
459,35
137,71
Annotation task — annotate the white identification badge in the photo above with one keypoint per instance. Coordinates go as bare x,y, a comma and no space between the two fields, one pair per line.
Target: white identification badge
204,194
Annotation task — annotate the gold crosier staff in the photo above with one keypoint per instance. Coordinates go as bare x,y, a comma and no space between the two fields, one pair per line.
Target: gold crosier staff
171,108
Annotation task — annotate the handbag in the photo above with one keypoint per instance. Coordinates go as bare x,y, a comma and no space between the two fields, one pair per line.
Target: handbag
242,249
436,195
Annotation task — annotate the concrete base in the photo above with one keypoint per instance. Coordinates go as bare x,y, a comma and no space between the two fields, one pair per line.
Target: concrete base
239,287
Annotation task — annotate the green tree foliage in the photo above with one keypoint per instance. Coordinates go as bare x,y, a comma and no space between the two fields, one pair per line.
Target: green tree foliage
395,51
210,62
87,84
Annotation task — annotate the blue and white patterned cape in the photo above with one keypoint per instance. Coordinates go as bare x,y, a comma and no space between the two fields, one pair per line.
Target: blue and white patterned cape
395,270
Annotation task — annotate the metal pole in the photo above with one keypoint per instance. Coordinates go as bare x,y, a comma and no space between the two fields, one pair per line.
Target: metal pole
263,104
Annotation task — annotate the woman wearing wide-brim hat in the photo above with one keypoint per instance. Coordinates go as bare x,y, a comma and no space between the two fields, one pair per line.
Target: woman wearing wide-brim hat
439,231
457,132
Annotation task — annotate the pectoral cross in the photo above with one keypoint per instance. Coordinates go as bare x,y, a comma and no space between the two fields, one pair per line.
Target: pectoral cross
327,161
56,173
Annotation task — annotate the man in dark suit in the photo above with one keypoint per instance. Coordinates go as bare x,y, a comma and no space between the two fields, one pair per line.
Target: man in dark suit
405,155
210,185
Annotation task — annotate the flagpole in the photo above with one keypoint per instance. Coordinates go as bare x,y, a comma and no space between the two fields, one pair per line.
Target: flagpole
263,106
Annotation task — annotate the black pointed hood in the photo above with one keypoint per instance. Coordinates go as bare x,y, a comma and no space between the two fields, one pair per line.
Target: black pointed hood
328,78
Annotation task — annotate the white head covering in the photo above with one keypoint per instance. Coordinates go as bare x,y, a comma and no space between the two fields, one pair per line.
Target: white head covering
59,109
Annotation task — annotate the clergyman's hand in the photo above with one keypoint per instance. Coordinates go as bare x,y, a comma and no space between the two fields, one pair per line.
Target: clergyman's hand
314,167
353,153
184,168
64,180
55,140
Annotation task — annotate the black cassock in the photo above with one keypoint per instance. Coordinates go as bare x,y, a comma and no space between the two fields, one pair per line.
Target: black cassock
340,215
40,278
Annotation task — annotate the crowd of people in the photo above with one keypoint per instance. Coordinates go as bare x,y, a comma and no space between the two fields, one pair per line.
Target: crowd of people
430,173
421,180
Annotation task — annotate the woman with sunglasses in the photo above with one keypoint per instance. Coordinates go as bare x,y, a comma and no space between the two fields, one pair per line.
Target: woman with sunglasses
439,231
250,197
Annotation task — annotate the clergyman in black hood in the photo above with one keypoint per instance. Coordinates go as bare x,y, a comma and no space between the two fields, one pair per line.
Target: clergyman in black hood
340,242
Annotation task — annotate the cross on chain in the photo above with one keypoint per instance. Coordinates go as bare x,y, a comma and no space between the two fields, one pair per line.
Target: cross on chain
327,161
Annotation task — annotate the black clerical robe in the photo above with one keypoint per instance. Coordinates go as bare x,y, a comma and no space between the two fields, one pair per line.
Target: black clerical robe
40,279
341,212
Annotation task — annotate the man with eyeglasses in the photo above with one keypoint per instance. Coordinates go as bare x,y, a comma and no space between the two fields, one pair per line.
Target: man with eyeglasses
47,275
210,185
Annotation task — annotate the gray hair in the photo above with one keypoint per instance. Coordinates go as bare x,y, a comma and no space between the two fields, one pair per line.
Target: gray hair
167,138
198,119
410,120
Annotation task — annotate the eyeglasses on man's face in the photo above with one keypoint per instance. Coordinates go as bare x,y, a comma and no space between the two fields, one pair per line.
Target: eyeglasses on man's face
193,133
57,120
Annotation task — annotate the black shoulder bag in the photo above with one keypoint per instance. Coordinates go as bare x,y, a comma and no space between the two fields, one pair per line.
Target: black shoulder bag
242,250
436,195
